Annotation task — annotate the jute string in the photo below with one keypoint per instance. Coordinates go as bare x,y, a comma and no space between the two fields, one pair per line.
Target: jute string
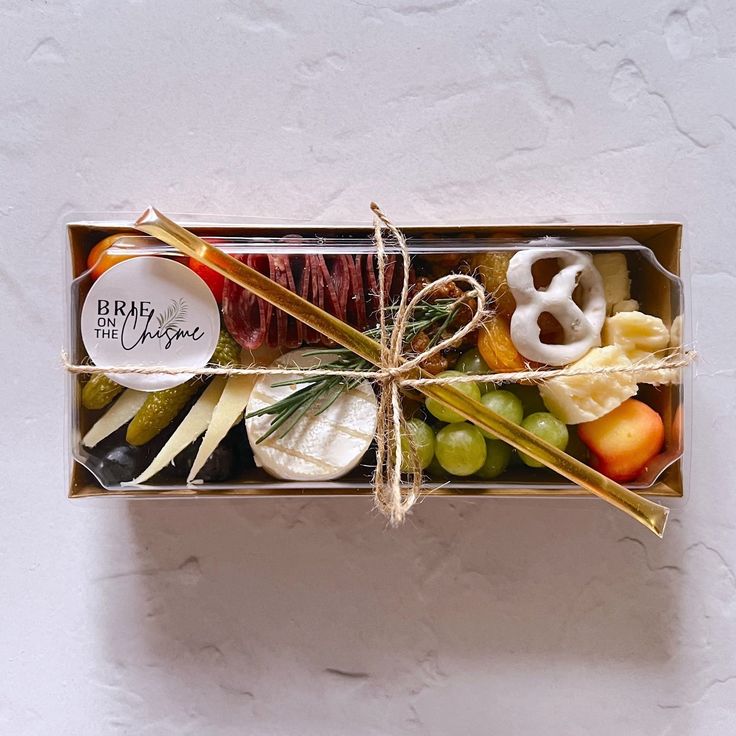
394,497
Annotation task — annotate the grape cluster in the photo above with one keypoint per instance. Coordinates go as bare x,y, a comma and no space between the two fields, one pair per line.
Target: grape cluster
447,444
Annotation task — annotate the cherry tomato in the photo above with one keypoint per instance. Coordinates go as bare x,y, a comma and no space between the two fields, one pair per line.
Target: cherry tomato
214,280
99,261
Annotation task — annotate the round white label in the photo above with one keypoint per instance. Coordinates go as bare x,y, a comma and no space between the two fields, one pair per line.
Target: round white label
150,311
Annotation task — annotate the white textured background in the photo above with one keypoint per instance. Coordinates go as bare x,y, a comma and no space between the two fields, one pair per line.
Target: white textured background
312,618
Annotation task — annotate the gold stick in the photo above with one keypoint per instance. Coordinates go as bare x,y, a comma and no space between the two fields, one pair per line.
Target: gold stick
652,515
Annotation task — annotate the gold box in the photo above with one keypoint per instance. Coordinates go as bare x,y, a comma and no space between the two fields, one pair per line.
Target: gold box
650,287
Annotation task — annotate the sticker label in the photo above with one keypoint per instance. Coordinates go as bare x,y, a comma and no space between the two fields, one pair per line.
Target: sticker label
150,311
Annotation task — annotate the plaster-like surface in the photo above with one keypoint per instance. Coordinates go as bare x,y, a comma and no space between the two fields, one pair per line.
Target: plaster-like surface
296,617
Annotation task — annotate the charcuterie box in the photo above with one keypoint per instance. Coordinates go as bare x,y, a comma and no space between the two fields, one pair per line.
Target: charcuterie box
133,300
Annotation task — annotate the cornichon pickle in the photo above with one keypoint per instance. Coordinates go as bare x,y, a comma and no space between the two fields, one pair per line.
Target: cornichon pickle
227,351
99,391
159,410
161,407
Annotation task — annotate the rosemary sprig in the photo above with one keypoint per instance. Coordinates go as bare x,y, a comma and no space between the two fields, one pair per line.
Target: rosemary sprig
320,392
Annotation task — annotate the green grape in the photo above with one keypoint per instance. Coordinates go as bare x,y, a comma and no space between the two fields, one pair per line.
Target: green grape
472,362
460,448
440,411
505,404
530,398
435,471
547,427
498,456
420,437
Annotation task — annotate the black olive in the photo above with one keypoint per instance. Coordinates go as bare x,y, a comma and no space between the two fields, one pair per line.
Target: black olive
119,464
220,465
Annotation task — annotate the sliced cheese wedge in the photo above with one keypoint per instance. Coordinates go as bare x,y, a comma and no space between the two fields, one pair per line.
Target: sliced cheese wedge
320,446
121,412
229,409
191,427
584,397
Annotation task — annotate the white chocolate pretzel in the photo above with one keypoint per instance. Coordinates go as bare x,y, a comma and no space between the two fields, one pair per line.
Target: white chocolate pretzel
581,324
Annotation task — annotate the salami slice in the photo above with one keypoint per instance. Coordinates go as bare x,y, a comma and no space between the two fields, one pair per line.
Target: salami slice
310,335
329,295
295,328
246,317
371,284
371,275
281,275
355,307
346,286
317,288
339,269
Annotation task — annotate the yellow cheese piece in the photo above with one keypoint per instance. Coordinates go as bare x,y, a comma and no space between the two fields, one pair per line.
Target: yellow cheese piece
582,398
627,305
121,412
615,274
193,424
637,334
228,410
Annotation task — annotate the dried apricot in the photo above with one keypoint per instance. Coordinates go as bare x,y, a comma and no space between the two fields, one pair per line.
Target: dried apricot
491,266
495,346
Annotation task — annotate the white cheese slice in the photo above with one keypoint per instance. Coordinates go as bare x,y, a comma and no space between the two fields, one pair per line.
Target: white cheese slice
193,424
121,412
228,410
319,447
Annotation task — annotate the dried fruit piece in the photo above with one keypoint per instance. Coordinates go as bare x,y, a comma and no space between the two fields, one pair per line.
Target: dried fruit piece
624,440
99,391
496,348
491,266
584,397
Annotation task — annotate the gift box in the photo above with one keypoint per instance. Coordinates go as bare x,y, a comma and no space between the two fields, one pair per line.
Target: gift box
653,258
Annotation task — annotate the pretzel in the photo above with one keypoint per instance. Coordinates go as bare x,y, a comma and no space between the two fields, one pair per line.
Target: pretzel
581,325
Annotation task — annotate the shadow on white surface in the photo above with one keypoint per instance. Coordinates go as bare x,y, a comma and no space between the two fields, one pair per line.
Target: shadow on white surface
244,603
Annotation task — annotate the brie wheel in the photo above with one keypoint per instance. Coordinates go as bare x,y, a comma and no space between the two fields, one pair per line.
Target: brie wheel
319,447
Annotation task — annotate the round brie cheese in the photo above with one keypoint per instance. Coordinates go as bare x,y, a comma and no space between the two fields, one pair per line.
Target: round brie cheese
319,446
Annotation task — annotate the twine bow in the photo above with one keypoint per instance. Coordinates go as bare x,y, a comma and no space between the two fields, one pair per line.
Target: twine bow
392,497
